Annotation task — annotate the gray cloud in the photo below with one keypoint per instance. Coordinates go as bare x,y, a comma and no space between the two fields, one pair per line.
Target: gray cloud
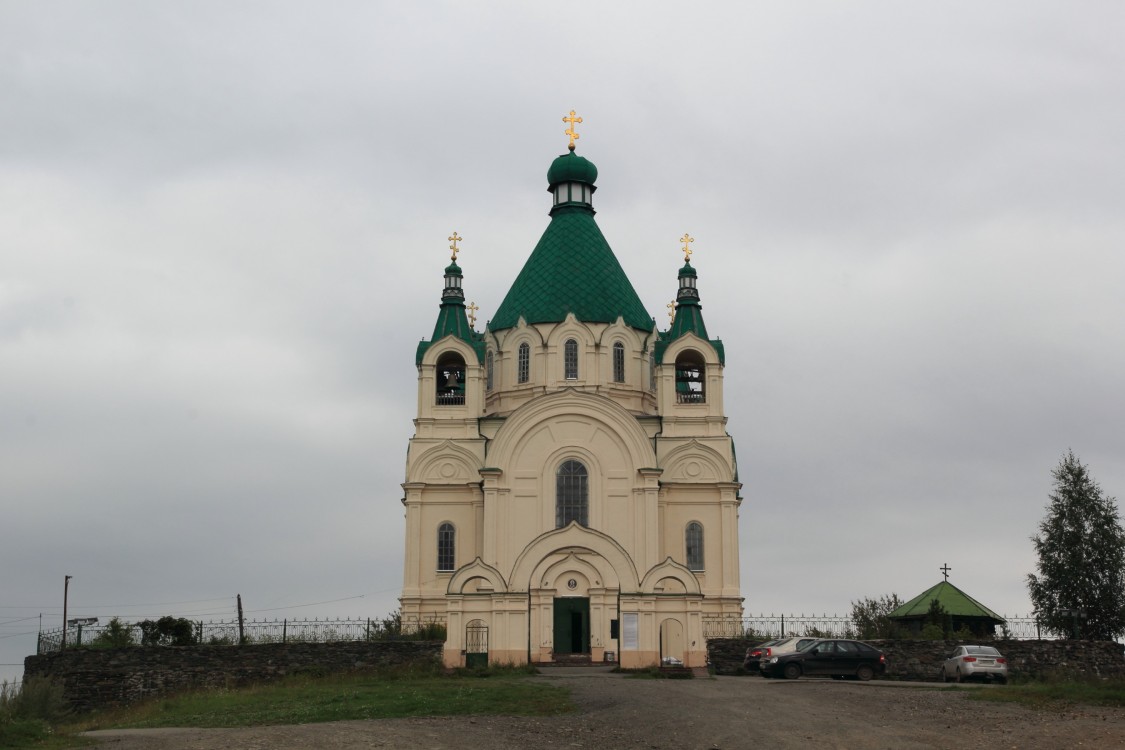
223,235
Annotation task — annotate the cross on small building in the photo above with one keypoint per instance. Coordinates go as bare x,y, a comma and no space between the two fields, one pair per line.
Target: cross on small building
945,570
472,308
687,250
454,239
571,120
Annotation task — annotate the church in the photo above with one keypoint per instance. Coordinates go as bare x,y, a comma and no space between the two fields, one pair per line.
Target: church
571,490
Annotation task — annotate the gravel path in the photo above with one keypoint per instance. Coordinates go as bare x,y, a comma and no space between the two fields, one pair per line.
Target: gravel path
727,712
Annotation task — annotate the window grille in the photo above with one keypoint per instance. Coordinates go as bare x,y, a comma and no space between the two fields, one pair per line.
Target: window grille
446,537
524,363
572,490
570,359
619,362
489,365
693,541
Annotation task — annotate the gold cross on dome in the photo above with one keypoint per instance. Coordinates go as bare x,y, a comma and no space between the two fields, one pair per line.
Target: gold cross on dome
572,120
687,250
454,239
671,312
472,308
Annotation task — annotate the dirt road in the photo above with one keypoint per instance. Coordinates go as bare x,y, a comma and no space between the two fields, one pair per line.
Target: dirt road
727,712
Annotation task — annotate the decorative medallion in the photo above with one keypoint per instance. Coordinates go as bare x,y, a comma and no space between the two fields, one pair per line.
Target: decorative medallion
572,584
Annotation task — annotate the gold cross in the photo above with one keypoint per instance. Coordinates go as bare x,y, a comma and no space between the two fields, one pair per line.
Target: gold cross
671,312
454,239
472,308
572,120
687,250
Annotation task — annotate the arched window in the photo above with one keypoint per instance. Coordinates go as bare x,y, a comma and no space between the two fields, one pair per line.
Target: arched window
523,363
489,371
572,492
693,544
652,372
690,371
570,359
450,379
619,362
446,547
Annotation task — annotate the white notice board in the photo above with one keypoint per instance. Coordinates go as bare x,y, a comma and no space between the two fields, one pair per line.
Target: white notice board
629,631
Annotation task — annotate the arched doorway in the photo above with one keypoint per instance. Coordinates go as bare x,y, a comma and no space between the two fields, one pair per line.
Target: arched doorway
476,644
672,645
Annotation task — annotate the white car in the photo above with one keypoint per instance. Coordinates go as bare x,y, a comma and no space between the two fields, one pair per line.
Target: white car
975,662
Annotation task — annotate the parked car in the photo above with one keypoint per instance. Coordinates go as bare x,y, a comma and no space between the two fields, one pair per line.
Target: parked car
975,662
782,646
829,657
754,655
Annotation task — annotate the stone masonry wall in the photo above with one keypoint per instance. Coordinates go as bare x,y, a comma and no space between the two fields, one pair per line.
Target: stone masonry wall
101,678
920,661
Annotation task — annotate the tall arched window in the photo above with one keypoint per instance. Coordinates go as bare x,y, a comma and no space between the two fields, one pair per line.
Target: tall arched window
523,363
619,362
693,544
450,380
572,493
570,359
489,371
690,371
446,547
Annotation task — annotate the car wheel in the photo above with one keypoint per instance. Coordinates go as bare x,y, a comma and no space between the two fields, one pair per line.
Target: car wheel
865,673
792,671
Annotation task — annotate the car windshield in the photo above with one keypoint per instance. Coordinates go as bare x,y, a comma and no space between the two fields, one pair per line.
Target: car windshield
981,650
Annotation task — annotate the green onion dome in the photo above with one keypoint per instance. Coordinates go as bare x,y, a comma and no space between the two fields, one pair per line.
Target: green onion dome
570,167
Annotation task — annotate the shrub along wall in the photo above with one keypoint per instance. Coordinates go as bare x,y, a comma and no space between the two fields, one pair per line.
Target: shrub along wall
94,678
920,661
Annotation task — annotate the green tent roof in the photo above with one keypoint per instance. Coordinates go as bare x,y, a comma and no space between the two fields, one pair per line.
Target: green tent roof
572,270
952,599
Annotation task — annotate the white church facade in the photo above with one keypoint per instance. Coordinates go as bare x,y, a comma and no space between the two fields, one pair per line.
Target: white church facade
571,490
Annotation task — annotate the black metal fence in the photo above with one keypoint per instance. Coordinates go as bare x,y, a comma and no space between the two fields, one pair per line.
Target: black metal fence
227,632
838,626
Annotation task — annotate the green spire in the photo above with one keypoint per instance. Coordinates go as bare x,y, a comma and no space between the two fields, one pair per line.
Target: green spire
689,315
572,269
452,319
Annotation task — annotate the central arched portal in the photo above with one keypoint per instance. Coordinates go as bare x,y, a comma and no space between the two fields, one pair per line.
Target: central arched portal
575,577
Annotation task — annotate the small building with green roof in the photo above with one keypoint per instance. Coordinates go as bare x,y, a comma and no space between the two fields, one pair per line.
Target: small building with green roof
571,490
964,612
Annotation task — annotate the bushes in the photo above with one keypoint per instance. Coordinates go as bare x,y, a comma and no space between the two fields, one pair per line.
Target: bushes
168,631
28,711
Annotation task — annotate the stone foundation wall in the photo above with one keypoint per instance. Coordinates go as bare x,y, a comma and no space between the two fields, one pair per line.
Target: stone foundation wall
920,661
101,678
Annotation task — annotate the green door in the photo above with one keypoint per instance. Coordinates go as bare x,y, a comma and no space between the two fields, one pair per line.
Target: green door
572,625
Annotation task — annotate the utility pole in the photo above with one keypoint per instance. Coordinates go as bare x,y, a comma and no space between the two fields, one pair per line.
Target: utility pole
241,636
66,591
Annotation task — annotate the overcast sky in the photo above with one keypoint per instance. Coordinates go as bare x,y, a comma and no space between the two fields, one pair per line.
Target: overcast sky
223,227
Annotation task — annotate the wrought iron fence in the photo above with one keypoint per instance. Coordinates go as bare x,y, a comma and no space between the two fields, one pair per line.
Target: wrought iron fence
226,632
838,626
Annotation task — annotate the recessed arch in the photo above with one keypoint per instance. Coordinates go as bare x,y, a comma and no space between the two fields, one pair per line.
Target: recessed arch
573,538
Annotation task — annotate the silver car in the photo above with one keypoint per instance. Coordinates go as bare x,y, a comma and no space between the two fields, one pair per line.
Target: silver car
975,662
779,647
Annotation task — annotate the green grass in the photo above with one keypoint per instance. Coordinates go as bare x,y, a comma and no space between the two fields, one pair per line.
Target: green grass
1050,694
303,700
